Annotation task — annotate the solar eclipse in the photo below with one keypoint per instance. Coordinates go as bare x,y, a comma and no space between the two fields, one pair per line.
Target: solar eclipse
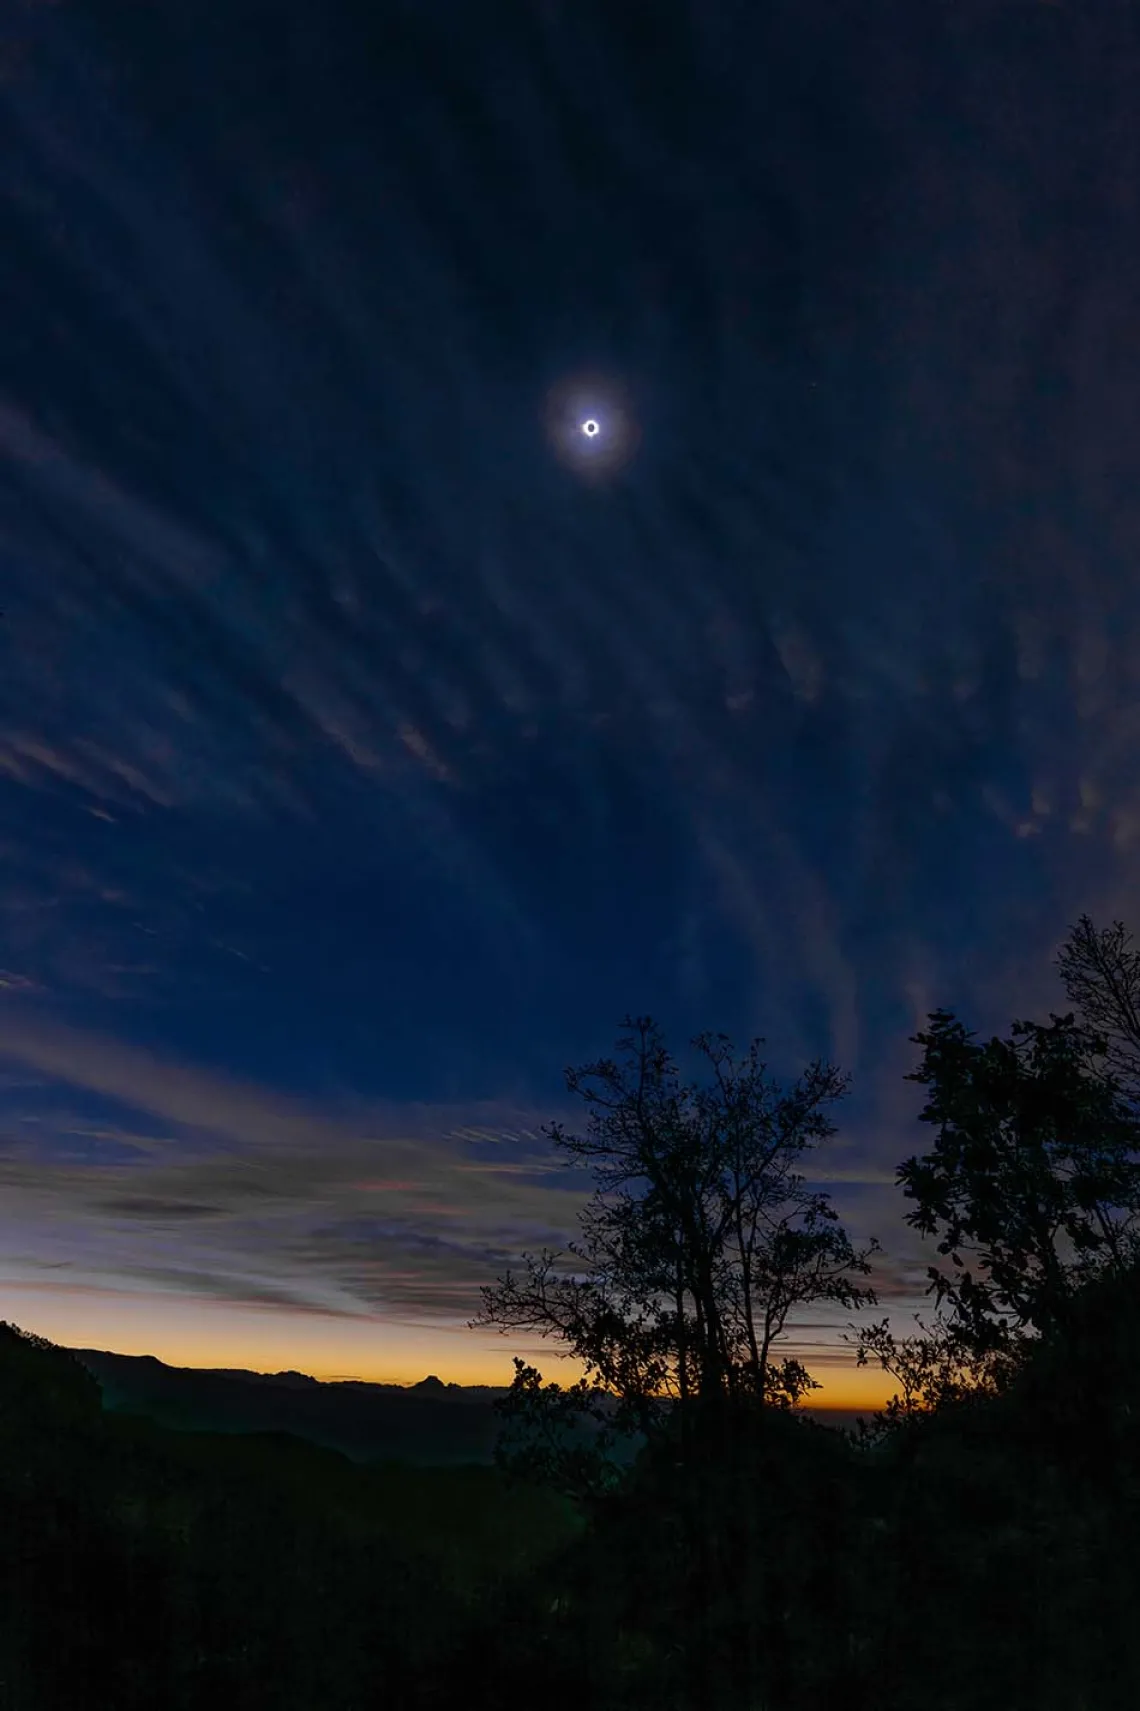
591,426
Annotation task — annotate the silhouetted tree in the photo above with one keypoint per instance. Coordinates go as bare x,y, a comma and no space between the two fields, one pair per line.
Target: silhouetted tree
936,1369
1101,976
698,1244
700,1240
1035,1162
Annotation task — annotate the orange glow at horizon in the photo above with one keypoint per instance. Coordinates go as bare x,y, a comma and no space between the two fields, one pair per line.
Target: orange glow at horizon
193,1333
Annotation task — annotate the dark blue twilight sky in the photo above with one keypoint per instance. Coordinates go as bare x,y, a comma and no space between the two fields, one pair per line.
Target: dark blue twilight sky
371,741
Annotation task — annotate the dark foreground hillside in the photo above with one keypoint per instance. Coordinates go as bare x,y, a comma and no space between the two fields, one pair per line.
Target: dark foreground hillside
142,1566
979,1560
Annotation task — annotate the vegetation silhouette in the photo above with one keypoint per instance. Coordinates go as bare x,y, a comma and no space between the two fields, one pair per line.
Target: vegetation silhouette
673,1531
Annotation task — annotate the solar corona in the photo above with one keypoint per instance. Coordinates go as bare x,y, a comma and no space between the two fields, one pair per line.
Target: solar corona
591,426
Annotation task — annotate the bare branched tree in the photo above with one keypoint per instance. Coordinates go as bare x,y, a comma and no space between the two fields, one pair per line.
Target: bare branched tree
1101,976
701,1239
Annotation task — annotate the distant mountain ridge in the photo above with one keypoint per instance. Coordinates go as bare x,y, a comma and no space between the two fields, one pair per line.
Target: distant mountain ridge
429,1423
426,1424
289,1379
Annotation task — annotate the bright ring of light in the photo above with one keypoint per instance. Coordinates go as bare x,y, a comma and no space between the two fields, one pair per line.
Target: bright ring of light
591,425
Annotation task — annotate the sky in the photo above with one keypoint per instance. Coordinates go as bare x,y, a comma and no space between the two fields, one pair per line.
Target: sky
373,739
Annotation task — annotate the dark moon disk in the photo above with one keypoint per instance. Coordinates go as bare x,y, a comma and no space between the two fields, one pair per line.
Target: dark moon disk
591,425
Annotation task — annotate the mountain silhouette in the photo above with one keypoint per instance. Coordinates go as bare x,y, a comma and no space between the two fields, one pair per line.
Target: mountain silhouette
426,1424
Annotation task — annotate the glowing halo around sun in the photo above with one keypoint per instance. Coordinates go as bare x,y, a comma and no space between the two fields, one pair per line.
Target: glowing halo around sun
591,426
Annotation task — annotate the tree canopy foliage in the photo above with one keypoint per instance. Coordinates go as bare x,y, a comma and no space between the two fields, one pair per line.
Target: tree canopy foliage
1033,1184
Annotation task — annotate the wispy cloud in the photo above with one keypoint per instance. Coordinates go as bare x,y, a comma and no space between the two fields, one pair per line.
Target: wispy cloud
359,1203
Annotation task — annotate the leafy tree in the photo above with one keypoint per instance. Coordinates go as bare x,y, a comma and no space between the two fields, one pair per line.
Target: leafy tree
698,1244
1035,1160
545,1438
937,1369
